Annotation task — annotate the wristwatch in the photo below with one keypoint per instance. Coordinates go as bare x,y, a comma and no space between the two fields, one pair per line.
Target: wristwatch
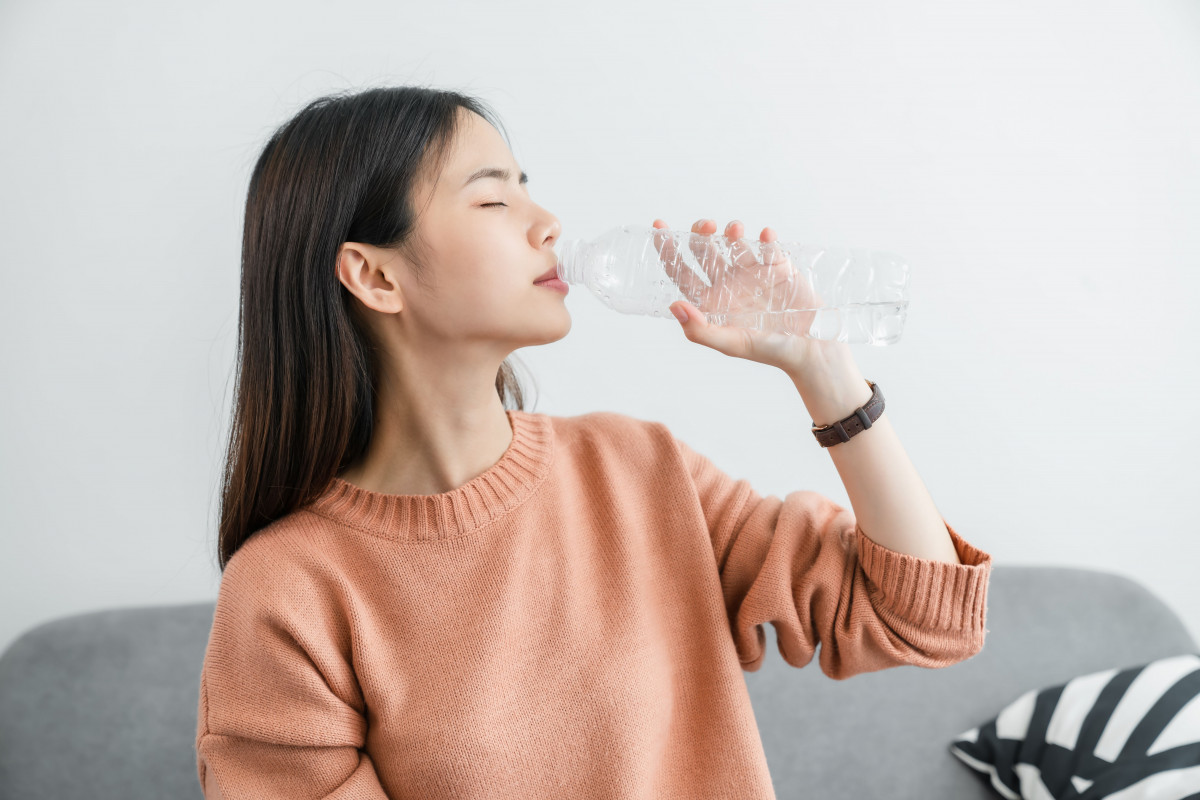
856,423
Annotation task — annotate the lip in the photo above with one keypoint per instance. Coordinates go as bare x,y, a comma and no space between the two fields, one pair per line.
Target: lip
555,284
548,274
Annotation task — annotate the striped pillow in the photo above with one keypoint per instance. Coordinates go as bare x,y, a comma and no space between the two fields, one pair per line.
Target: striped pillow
1123,734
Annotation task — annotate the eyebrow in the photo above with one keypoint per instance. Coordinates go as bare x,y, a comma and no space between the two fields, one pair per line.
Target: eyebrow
494,172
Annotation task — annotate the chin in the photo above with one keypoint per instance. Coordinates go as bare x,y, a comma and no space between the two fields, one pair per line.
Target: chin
563,329
552,332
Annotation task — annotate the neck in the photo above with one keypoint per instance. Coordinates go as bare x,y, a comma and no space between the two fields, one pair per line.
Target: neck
427,446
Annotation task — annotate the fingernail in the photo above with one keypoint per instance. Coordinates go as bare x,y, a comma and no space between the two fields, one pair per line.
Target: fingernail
680,314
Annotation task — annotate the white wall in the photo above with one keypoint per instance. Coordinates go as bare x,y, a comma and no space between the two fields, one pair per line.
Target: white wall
1036,163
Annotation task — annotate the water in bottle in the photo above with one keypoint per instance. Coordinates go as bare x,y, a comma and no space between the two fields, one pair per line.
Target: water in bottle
840,294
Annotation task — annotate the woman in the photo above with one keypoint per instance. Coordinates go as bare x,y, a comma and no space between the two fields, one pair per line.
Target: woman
428,594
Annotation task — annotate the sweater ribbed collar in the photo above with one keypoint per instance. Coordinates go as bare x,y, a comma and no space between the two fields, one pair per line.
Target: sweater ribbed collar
489,495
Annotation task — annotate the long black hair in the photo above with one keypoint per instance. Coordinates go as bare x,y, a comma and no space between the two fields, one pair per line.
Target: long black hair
343,169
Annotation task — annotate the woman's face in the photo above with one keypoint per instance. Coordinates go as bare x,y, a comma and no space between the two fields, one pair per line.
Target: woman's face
485,243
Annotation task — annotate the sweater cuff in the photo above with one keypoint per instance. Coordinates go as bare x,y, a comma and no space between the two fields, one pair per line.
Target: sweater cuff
928,594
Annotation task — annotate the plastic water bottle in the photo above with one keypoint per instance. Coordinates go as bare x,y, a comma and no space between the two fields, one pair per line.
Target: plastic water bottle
840,294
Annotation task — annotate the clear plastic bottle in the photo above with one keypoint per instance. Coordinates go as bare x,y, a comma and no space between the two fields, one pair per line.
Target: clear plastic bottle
836,294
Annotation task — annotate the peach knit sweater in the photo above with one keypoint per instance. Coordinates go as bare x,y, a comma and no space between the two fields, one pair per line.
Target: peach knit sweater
573,622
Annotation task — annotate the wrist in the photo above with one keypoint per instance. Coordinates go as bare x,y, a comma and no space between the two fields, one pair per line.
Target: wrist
832,394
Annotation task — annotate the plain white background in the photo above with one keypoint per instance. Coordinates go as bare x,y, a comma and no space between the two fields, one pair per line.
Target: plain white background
1035,162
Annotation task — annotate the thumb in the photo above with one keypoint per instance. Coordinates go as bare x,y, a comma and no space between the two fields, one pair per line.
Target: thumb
730,341
681,313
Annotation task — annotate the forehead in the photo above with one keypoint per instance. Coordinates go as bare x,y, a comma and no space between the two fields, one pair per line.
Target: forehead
476,146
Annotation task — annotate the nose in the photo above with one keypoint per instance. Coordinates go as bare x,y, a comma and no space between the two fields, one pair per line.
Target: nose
549,229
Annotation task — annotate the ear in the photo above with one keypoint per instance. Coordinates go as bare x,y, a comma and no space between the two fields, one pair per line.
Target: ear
368,273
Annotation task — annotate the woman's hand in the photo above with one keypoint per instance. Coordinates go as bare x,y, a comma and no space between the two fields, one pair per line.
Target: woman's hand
747,286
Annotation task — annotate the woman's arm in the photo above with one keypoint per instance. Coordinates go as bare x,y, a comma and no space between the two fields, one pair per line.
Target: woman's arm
280,712
890,501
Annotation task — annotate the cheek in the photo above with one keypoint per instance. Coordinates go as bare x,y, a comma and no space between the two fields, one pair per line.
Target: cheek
486,300
494,284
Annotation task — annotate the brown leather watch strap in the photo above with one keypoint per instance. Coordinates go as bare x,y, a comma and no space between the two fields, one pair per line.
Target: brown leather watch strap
859,421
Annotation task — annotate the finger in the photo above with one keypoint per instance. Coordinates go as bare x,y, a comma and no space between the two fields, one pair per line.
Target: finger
702,231
741,252
732,341
706,250
668,256
772,252
781,280
688,279
680,273
664,243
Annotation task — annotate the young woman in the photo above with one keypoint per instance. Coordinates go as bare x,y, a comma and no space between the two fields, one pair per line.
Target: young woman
428,591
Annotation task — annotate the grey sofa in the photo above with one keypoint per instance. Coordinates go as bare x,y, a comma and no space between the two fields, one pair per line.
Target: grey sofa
103,705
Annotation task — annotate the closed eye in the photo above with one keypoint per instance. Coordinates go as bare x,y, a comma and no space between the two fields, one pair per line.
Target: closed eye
485,205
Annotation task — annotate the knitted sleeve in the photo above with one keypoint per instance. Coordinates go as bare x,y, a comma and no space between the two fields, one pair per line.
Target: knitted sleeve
280,712
803,564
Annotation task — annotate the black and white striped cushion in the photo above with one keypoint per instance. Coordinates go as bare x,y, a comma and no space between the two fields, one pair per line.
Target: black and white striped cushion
1120,734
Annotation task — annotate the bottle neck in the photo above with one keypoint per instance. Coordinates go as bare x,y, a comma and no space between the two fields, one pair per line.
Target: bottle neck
570,261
